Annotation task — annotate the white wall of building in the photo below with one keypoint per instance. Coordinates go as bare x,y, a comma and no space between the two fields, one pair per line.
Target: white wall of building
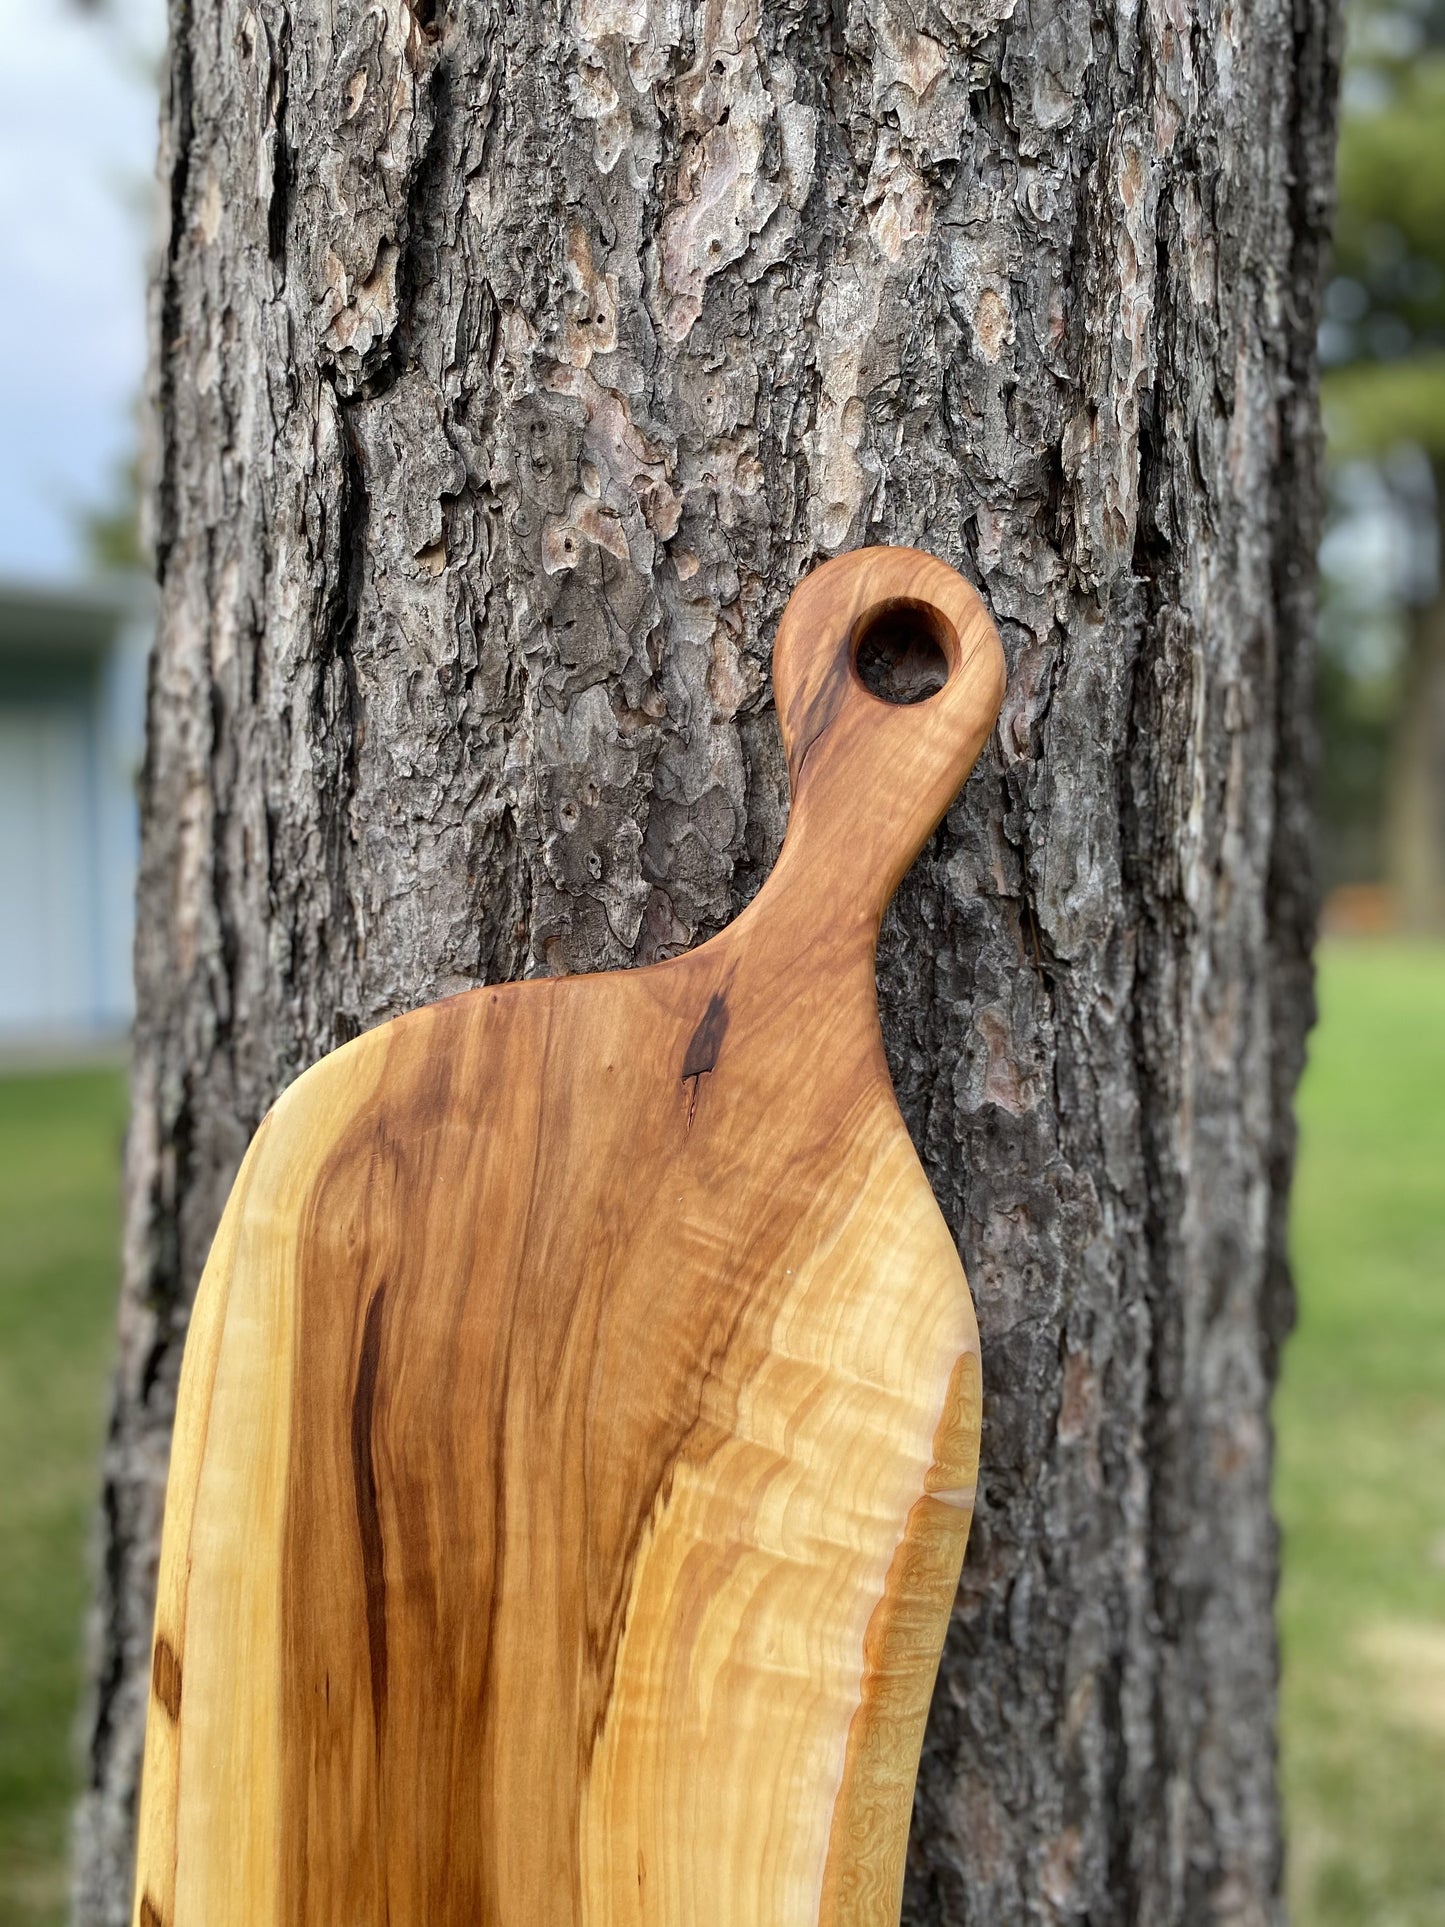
71,727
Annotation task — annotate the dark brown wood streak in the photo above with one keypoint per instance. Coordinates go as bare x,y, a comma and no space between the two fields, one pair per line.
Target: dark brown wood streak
820,705
166,1678
368,1516
706,1041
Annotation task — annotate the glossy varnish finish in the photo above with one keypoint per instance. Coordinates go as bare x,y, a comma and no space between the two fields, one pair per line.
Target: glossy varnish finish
579,1421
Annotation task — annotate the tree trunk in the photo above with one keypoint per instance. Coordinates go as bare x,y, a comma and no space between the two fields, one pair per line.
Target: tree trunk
511,364
1415,777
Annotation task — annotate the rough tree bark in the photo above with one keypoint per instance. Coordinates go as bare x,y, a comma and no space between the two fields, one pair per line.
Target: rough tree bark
510,364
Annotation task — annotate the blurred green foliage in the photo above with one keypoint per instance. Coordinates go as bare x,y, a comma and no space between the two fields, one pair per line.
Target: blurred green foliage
1383,350
112,531
1371,407
1388,305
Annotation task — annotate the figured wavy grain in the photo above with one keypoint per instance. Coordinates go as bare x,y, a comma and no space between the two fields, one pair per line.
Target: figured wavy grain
593,1409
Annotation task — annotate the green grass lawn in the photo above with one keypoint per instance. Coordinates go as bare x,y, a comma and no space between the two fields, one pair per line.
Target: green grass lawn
1361,1427
60,1138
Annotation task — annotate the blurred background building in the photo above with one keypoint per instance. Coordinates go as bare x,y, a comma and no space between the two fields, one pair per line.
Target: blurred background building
72,705
77,137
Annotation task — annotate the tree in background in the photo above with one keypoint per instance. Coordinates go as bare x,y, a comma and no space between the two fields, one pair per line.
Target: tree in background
1384,348
110,531
510,365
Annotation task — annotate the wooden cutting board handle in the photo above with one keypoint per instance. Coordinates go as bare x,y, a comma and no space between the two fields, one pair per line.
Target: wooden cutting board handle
871,778
579,1421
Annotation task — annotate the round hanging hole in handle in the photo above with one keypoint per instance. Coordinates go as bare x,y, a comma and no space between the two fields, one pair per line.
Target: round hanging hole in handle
904,650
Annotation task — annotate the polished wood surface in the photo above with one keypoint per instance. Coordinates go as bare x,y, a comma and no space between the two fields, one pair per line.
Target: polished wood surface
579,1420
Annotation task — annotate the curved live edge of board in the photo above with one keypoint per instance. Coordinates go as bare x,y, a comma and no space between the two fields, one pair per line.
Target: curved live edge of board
579,1419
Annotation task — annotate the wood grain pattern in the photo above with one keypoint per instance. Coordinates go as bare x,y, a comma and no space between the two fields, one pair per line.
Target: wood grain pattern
579,1423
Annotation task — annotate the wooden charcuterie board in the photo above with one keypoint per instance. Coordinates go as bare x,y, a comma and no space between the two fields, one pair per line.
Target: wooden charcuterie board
579,1419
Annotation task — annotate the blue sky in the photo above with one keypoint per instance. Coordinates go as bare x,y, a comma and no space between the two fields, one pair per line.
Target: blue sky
77,146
